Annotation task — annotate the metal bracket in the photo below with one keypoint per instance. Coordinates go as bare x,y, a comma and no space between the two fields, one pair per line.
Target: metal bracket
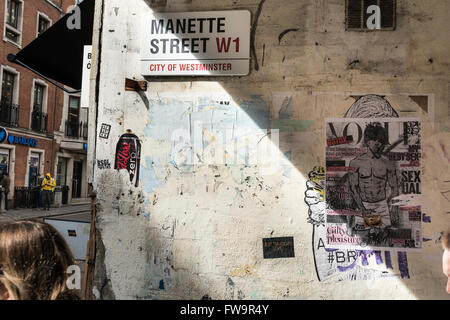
133,85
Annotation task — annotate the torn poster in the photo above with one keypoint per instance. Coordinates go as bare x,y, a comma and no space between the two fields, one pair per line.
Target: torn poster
370,164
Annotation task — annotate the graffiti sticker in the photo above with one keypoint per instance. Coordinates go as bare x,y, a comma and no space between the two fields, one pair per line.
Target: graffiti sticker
103,164
105,129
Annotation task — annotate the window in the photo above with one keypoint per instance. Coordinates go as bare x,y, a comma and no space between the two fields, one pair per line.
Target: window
35,163
13,21
11,35
72,123
61,172
74,109
9,110
43,24
4,161
38,97
357,16
12,13
8,81
39,116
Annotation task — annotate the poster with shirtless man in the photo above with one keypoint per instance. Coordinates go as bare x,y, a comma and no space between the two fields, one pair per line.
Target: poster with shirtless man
370,164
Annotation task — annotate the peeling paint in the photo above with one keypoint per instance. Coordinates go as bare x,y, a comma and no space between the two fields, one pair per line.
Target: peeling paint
245,271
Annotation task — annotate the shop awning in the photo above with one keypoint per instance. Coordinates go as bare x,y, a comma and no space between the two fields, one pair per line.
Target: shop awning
57,54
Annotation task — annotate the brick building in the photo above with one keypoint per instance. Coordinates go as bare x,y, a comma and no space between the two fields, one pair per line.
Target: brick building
37,117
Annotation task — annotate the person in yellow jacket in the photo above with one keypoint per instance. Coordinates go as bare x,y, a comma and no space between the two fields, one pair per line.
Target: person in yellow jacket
48,185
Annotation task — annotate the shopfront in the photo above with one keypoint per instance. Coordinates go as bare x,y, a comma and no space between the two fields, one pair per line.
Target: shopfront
25,158
71,169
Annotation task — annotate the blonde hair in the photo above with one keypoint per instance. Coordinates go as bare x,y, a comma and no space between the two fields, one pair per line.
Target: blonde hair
34,259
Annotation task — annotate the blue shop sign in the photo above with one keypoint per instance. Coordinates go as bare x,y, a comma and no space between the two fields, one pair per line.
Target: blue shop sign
12,139
3,134
22,140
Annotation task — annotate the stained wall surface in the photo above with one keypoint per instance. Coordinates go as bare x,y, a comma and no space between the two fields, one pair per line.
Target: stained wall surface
195,224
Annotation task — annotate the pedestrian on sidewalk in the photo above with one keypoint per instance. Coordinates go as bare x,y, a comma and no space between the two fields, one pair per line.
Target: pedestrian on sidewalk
48,186
39,181
6,183
34,261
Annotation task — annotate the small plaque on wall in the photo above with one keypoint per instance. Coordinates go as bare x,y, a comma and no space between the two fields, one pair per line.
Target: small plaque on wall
278,248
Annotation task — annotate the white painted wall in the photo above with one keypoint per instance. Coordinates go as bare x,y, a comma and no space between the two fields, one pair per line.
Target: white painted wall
189,231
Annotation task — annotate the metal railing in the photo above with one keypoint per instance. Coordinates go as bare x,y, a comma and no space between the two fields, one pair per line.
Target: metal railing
32,197
39,121
9,114
76,129
26,197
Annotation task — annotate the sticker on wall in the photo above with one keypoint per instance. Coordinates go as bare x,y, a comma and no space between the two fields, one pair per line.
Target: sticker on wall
105,129
103,164
128,154
278,248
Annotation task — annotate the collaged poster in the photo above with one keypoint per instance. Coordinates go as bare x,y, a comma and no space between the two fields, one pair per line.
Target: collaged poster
373,178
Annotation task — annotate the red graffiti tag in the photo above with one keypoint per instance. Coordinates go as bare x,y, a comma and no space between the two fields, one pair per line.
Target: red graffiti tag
123,156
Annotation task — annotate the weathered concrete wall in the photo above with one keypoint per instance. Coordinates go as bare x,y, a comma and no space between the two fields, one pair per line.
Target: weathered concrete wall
194,226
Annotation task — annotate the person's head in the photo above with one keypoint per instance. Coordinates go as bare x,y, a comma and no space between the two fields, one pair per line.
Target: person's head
5,174
375,137
48,176
34,259
446,257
